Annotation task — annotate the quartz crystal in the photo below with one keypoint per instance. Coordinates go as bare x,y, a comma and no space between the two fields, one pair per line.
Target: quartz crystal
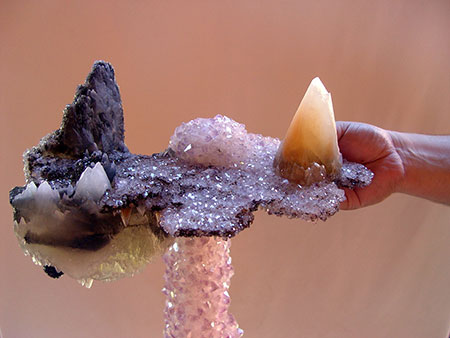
94,210
196,282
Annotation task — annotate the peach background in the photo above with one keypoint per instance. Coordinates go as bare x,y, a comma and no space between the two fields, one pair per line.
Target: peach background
383,271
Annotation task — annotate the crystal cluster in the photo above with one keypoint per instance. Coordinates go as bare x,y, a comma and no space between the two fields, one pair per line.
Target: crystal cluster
219,141
200,188
198,273
94,210
237,177
69,233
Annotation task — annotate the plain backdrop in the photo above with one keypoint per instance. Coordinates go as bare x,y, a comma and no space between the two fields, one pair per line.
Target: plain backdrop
383,271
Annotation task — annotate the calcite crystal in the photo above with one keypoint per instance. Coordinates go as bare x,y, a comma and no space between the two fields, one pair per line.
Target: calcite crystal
94,210
309,152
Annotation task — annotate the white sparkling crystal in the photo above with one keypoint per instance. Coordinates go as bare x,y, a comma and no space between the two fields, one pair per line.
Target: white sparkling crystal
93,183
219,141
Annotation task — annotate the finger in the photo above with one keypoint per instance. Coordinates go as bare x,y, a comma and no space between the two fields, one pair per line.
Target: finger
352,201
346,141
344,204
341,128
352,137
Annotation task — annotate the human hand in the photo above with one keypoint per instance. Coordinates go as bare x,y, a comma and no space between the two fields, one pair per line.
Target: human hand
374,148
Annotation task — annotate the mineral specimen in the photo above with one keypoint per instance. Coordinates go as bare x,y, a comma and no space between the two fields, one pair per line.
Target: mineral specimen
309,152
94,210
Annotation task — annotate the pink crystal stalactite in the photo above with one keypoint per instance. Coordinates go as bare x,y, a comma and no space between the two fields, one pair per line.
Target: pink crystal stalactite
197,278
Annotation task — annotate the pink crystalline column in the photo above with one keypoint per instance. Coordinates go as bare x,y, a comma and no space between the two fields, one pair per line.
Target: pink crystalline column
197,278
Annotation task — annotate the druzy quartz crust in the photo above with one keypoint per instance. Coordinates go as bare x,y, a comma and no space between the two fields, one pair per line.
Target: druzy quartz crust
94,210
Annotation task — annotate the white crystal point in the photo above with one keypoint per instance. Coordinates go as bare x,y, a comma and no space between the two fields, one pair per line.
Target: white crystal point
311,137
28,193
45,196
92,184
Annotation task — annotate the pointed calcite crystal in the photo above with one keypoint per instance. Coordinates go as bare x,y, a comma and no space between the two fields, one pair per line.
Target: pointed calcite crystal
309,152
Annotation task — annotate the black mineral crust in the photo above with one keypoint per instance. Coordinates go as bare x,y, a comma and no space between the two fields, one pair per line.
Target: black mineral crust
92,131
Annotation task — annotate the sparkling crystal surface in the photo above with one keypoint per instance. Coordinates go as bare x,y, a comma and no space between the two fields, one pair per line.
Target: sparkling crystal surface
237,177
197,278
